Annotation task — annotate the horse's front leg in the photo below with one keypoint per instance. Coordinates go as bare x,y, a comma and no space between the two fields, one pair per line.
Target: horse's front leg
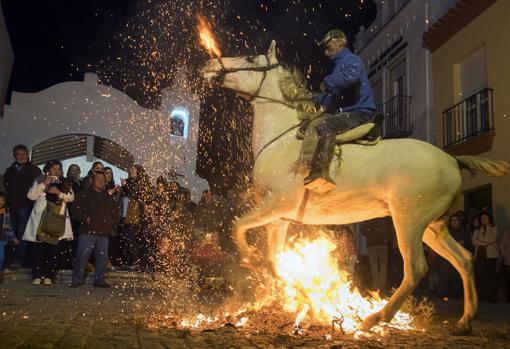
276,238
267,211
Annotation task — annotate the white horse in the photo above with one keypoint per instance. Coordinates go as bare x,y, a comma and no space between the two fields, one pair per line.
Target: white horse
412,181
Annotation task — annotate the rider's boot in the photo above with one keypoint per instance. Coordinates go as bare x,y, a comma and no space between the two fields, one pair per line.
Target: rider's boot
318,180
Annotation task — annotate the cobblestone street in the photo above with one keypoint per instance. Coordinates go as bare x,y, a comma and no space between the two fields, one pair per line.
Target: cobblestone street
88,317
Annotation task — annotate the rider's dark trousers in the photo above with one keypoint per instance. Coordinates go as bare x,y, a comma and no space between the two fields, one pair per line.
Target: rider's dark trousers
327,125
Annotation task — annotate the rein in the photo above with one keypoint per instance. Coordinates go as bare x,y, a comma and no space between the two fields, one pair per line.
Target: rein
276,138
264,69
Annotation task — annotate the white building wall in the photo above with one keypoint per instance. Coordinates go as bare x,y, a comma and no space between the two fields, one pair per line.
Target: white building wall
87,107
6,60
406,21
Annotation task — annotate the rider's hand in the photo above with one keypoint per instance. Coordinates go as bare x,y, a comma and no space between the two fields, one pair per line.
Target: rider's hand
301,133
322,87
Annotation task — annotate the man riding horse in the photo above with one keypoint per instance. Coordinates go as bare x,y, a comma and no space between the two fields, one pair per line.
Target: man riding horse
345,101
416,194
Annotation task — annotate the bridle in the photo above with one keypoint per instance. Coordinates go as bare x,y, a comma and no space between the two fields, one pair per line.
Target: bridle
220,78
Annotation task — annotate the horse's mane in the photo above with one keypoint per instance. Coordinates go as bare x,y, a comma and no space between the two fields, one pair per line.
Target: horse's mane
294,90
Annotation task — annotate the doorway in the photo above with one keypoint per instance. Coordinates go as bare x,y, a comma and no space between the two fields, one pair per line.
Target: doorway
477,199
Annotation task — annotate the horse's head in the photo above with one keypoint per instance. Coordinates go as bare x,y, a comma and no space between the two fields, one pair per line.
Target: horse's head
244,75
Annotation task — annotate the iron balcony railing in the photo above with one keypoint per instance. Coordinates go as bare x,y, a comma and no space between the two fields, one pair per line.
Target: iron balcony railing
397,117
468,119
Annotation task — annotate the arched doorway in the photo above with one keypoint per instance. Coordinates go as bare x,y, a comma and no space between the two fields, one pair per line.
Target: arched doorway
85,149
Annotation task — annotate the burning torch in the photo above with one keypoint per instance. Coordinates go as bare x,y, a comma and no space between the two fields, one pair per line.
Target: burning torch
207,38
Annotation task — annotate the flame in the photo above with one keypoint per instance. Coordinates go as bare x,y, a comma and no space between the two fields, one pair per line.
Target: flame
199,321
242,322
207,38
313,287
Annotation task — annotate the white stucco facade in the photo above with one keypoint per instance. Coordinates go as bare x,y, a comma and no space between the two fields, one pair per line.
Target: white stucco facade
6,60
392,48
88,107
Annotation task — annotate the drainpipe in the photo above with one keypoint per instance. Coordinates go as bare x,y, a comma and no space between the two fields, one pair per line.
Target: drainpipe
428,83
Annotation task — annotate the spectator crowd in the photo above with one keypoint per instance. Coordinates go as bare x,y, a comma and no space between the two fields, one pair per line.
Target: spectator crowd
380,263
49,221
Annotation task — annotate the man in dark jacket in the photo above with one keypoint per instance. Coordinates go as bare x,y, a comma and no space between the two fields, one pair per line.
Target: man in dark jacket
346,102
18,179
98,212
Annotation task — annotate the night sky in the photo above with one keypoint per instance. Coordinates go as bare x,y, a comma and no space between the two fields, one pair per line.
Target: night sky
135,46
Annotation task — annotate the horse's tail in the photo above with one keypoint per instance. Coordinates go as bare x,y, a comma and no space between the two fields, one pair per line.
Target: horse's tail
476,163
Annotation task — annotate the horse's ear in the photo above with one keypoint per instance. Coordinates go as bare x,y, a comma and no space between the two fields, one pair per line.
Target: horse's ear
272,50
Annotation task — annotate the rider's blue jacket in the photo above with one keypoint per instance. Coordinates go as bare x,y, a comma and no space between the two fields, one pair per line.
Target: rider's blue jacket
347,87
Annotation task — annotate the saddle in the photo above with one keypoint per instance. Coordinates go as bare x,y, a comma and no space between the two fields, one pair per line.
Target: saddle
365,134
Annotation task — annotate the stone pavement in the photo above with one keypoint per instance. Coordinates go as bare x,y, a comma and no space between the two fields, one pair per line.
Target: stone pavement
60,317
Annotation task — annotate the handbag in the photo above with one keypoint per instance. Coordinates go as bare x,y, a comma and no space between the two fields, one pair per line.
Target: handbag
53,224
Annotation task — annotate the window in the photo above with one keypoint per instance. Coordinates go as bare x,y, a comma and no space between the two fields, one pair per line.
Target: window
399,86
473,114
397,106
397,79
473,73
179,120
177,126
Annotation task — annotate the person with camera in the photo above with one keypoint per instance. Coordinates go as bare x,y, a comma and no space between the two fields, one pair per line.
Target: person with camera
49,221
98,212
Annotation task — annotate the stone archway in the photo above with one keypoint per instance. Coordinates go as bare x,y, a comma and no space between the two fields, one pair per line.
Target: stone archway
99,113
69,146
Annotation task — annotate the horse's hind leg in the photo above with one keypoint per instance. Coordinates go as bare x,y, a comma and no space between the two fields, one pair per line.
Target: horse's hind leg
409,236
440,240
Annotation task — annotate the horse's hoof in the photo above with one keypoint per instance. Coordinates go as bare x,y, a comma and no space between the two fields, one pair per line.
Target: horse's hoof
461,329
370,322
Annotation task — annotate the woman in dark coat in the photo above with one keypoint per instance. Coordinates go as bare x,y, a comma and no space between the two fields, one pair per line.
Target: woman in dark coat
137,189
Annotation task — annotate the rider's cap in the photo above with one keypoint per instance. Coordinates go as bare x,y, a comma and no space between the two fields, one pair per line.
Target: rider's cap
333,33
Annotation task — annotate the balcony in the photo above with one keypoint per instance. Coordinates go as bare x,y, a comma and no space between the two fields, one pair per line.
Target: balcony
397,117
468,127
